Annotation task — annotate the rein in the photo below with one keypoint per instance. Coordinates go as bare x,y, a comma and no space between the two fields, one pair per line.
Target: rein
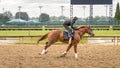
80,30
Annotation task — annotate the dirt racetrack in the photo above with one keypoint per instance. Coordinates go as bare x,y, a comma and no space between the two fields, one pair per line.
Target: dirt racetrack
26,56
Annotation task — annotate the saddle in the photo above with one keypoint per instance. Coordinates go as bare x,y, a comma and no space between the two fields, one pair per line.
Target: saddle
66,35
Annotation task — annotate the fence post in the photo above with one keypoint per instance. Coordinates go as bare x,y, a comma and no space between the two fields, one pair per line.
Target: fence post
111,27
117,40
43,27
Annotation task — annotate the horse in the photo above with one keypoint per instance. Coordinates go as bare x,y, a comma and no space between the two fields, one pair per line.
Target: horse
57,35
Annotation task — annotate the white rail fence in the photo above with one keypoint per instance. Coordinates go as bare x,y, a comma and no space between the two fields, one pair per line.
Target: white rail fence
113,40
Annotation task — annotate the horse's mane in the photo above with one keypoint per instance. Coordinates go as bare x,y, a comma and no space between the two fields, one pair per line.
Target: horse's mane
79,27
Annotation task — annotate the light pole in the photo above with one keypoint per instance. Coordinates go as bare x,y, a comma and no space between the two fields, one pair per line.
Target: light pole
19,9
3,9
106,10
40,12
84,10
62,8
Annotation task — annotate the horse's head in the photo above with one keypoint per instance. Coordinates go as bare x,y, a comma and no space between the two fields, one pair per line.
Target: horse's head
86,29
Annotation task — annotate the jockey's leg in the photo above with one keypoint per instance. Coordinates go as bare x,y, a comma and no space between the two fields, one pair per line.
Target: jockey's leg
75,50
68,29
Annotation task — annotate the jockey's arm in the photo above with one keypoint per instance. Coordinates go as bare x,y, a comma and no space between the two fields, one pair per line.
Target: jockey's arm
73,27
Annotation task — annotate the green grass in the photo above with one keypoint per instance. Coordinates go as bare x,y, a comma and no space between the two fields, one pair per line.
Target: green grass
106,32
22,32
42,32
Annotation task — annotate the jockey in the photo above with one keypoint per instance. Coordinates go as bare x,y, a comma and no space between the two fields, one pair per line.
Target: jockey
66,24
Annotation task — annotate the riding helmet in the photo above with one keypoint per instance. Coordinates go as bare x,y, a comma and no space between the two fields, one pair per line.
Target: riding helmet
75,18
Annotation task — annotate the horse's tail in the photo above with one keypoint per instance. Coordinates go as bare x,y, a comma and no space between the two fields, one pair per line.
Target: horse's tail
42,38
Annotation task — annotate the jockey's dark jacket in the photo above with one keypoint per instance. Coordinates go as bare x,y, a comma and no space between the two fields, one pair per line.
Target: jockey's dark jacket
66,24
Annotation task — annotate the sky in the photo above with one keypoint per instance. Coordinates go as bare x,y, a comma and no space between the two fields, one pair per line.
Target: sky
52,7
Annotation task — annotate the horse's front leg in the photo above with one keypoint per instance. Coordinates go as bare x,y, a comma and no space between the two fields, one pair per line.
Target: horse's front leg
63,55
75,50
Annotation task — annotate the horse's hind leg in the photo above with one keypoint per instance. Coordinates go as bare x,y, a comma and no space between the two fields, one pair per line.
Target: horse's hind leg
51,40
45,48
48,44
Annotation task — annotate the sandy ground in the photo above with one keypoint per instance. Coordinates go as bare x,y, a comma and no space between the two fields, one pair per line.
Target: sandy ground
26,56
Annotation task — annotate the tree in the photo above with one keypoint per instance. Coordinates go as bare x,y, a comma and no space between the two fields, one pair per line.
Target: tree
3,19
54,18
117,13
44,17
22,15
8,14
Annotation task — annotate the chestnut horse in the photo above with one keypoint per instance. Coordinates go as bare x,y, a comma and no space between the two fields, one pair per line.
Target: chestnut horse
57,35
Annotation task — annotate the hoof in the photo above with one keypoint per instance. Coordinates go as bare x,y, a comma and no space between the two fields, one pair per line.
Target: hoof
39,54
76,59
43,53
63,55
46,52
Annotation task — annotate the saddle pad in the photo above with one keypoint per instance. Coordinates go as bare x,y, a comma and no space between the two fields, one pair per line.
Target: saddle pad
65,35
